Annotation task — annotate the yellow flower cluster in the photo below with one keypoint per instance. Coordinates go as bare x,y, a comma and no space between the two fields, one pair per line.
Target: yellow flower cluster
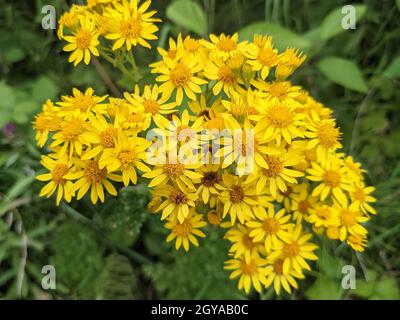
89,27
234,144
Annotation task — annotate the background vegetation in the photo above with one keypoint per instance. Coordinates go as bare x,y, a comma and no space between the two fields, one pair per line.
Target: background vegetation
117,250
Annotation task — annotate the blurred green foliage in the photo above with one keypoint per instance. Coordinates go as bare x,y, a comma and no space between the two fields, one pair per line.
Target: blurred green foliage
118,250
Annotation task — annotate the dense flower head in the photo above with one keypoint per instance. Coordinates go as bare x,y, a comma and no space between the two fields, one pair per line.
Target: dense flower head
222,138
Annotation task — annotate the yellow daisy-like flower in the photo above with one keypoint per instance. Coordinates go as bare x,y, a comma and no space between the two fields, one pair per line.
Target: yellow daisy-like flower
81,102
185,232
151,101
332,179
69,20
357,242
127,156
83,42
302,202
242,242
181,174
276,174
60,174
279,120
325,137
289,61
131,25
294,250
271,227
323,216
237,198
225,77
224,46
262,58
251,269
96,179
279,279
106,135
210,184
350,221
177,202
73,135
46,122
278,90
180,76
361,195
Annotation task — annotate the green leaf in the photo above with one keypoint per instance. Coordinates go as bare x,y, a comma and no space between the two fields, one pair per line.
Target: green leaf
332,24
7,97
387,289
188,14
343,72
281,37
393,70
43,89
14,54
324,289
23,111
398,4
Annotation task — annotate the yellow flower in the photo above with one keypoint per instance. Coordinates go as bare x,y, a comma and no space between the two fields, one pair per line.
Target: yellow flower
357,242
127,156
70,20
177,202
294,250
46,122
224,46
96,179
210,184
280,279
262,58
83,42
323,215
302,203
350,219
105,136
289,61
276,173
279,120
332,179
180,76
150,101
277,90
271,227
325,137
185,232
74,134
361,195
60,176
225,77
237,198
242,242
85,103
131,25
251,269
181,174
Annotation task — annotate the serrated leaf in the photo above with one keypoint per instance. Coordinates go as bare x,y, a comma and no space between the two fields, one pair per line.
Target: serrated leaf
332,24
343,72
281,37
188,14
